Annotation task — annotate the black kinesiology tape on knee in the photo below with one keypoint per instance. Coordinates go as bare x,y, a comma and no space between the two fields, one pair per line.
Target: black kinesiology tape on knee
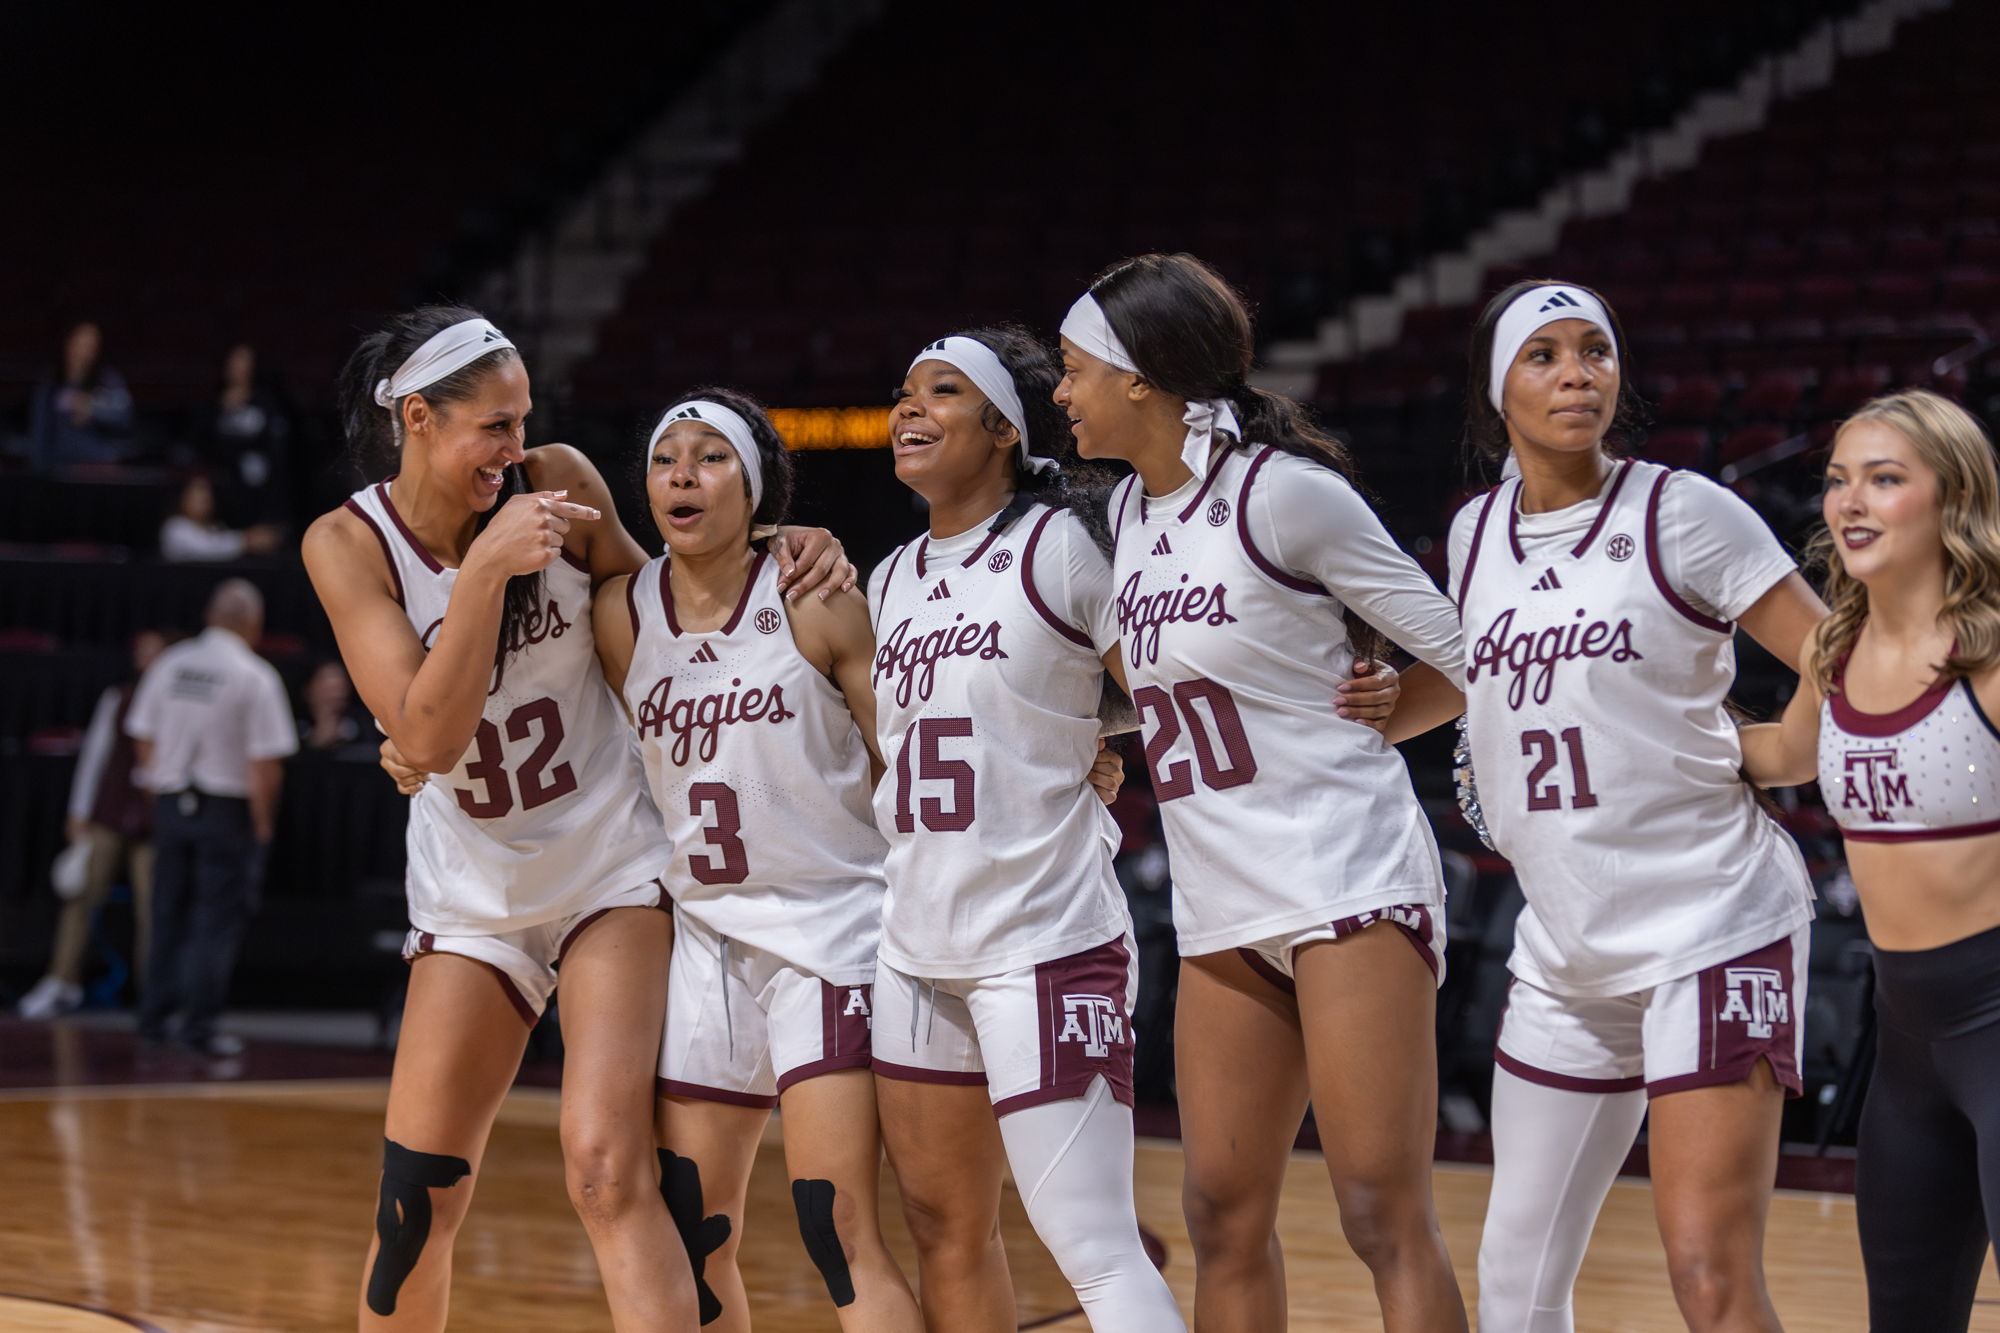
680,1186
403,1216
814,1201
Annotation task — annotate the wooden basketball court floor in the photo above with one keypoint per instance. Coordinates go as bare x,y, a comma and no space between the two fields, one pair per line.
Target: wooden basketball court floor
226,1208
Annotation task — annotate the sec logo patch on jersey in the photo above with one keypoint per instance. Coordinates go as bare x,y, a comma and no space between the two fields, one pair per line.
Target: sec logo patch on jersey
1620,547
1218,513
768,621
1000,561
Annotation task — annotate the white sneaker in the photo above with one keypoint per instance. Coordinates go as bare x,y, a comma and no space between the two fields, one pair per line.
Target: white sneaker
51,998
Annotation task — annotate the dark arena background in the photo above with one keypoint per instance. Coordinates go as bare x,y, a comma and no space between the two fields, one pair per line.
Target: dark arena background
1793,205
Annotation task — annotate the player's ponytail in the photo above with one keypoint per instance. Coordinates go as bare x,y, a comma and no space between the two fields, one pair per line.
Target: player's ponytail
374,436
1082,488
1189,334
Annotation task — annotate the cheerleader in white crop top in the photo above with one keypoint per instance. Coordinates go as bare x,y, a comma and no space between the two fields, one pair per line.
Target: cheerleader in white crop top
1008,962
756,721
1894,717
1308,896
459,592
1662,952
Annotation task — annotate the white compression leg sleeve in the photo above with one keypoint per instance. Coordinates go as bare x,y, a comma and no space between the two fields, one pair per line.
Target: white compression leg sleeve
1072,1162
1555,1154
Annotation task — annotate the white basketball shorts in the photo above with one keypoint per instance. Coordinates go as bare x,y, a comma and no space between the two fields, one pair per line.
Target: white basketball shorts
1702,1030
1272,959
1034,1035
526,960
743,1024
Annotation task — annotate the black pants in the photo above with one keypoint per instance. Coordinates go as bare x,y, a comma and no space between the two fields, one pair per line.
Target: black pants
1928,1180
204,880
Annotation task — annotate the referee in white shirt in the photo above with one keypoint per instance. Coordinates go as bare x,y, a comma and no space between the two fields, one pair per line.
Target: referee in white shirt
211,725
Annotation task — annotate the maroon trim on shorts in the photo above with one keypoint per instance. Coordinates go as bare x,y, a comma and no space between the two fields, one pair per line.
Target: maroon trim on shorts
662,903
1214,471
1043,1096
1921,835
831,1065
389,507
1728,1050
1269,570
1420,935
1566,1082
1478,535
749,585
912,1074
382,537
1056,623
1604,511
519,1001
1261,965
576,562
667,1087
632,602
1658,570
1081,1002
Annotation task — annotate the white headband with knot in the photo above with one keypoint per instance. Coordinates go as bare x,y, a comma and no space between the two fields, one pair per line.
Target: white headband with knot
445,353
1532,311
1087,326
734,429
983,366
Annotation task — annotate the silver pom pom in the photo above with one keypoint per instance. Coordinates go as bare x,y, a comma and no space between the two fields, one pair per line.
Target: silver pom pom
1468,786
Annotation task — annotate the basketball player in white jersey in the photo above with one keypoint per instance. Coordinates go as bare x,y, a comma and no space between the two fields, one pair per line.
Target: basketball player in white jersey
1007,961
1308,896
459,591
1894,717
756,722
1661,958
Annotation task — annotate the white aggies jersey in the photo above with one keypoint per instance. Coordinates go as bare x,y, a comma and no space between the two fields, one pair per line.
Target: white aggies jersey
986,704
1279,813
547,808
762,776
1607,764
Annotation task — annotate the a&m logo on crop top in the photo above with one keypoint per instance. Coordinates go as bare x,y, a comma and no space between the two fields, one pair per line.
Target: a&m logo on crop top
1536,653
707,715
1142,616
1870,782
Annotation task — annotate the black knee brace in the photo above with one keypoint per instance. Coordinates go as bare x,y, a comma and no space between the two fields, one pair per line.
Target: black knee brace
814,1201
403,1216
680,1186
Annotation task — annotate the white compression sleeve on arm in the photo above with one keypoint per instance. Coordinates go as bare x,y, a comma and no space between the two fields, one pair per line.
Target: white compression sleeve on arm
1072,1162
1555,1154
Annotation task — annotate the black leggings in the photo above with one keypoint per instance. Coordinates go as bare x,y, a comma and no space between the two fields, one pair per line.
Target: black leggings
1928,1179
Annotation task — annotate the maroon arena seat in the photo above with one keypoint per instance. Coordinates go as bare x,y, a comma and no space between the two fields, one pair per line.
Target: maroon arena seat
1678,446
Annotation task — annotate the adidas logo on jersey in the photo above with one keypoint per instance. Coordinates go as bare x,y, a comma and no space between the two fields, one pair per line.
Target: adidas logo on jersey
706,653
1547,581
939,593
1160,547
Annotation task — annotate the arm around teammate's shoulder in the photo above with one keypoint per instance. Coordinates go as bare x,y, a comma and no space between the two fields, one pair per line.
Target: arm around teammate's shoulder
836,636
1785,753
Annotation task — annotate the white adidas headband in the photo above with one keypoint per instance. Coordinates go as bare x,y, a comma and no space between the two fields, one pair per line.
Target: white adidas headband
734,429
1532,311
983,366
1087,326
445,353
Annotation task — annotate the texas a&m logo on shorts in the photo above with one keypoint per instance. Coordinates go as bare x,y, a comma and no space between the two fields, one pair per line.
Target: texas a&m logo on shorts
1758,998
1094,1021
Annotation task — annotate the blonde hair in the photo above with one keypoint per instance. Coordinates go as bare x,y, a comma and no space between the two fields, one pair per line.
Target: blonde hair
1954,447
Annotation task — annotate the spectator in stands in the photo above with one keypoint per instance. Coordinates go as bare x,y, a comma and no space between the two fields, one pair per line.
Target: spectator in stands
243,437
212,726
113,818
191,534
330,721
83,413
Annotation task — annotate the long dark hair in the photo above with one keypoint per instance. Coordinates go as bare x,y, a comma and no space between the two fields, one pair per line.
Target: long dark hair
773,455
374,435
1082,488
1190,335
1486,430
